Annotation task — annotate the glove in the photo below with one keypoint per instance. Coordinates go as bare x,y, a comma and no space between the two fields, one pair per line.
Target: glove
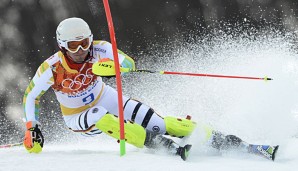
33,141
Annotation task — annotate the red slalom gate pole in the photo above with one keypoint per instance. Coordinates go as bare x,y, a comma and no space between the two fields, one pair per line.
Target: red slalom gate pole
118,76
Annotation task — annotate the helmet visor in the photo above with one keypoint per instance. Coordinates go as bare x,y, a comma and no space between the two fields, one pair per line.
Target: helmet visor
74,46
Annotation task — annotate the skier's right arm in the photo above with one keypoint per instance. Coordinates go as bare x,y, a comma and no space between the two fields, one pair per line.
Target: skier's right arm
39,84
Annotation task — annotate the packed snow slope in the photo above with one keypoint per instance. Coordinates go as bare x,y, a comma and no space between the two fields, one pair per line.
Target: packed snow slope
257,111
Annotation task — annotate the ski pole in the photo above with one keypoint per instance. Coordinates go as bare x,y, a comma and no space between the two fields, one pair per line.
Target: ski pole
11,145
107,69
199,74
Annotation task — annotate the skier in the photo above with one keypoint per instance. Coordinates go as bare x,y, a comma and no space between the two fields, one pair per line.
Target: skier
89,106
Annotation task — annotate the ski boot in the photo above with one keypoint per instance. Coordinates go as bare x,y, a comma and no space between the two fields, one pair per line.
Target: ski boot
266,151
157,141
183,152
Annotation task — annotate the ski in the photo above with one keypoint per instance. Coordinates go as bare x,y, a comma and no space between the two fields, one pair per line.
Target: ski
266,151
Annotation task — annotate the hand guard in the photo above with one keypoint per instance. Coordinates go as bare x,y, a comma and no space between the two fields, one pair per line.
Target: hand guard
33,141
104,67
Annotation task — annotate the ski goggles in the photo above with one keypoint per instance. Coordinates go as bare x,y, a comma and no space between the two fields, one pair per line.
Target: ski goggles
74,46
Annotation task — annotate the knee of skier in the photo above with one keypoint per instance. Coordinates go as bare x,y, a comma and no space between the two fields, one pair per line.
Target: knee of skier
156,124
91,116
96,113
144,115
86,120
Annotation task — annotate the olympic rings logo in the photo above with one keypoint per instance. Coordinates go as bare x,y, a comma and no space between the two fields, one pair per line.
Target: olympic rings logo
79,81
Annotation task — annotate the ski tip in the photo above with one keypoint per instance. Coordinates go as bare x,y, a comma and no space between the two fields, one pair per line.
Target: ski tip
274,152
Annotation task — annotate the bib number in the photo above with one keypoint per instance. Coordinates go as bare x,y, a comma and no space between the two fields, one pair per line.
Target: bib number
87,100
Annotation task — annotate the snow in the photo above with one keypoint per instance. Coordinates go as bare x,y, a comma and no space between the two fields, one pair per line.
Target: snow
96,155
259,112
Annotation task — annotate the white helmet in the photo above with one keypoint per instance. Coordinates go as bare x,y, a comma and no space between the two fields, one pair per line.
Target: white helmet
73,29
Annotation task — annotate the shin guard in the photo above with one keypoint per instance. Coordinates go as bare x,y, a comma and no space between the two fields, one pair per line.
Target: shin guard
179,127
134,134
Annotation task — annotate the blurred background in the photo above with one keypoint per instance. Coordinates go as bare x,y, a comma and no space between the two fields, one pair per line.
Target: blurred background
27,38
